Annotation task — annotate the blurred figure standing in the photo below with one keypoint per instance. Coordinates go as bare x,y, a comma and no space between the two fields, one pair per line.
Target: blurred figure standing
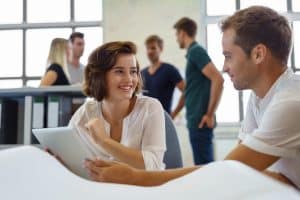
57,72
76,69
160,78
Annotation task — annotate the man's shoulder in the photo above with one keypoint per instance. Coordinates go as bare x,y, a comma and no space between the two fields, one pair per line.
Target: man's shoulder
167,65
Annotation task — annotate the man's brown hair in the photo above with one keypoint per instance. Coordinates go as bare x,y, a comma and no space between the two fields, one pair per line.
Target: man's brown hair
76,35
187,25
155,38
100,61
261,25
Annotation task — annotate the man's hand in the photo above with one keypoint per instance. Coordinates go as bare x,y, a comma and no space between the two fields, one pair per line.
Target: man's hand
208,120
96,130
111,172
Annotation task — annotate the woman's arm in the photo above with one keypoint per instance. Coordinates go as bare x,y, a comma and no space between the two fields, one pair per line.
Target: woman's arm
153,145
114,172
119,151
49,78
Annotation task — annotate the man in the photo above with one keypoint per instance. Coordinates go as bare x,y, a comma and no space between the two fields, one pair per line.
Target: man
75,68
204,85
160,78
269,136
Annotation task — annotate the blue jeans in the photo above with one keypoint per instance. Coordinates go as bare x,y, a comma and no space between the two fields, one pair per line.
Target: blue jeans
202,146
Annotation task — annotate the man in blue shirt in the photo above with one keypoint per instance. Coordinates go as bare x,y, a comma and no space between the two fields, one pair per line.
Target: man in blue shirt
204,85
160,78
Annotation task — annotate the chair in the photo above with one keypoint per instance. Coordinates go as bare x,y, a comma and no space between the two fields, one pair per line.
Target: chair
172,157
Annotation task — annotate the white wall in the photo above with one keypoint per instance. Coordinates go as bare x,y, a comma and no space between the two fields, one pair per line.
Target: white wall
134,20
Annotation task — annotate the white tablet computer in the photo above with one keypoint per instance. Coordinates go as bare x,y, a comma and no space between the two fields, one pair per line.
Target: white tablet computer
66,143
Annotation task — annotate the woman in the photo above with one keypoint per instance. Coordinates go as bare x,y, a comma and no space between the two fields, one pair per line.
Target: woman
118,124
57,72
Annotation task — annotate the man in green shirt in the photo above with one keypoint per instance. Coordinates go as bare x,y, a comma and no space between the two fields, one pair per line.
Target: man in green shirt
204,85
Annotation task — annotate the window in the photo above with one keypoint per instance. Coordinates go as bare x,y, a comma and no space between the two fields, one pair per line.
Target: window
278,5
214,45
11,53
26,36
11,12
296,26
88,10
217,7
12,83
296,5
228,110
48,11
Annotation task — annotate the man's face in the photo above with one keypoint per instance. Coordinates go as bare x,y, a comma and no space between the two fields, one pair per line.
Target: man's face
239,66
179,38
78,47
153,51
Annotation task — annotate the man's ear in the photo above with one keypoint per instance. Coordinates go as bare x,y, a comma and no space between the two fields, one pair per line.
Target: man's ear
259,53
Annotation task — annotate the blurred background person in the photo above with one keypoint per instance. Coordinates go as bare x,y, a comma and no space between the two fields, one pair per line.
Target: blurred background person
75,68
160,78
57,72
204,86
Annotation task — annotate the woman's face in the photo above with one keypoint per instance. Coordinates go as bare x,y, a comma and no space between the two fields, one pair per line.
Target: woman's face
122,79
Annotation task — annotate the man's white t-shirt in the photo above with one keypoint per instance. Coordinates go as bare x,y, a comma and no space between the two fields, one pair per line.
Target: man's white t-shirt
272,125
143,129
76,73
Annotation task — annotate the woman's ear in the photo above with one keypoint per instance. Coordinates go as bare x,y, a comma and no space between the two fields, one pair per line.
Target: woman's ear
259,53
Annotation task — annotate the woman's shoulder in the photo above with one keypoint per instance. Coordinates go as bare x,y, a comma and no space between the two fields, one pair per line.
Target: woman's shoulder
54,67
147,102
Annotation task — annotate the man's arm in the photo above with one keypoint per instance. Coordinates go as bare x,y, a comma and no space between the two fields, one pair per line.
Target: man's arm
257,160
216,88
180,105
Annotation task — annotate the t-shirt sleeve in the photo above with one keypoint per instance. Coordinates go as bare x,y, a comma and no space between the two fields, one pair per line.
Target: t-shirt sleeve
56,68
154,138
200,58
175,75
279,131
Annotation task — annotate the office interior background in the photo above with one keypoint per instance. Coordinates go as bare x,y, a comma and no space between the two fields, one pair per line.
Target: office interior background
28,26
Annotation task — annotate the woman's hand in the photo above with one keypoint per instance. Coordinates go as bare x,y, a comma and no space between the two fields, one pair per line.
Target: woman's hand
110,171
96,130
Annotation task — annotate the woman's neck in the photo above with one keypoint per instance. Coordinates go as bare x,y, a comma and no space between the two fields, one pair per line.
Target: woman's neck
116,111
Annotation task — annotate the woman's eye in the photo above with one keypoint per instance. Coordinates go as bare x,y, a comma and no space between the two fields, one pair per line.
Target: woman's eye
133,72
119,71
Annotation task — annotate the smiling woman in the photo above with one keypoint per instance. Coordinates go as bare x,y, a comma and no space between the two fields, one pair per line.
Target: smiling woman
118,124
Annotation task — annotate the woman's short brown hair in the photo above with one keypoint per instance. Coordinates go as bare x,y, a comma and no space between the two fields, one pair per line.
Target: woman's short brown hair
100,61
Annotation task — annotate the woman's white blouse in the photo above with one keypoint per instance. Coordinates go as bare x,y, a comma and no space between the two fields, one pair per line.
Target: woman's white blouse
143,129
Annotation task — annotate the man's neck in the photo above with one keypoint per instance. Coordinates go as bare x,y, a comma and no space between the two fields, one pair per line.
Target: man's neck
188,42
75,62
155,64
267,80
154,67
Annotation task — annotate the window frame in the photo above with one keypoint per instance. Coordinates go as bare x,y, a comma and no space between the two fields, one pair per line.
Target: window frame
25,25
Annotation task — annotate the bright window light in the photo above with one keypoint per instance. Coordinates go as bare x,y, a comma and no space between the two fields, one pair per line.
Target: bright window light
278,5
88,10
48,10
11,52
11,12
217,7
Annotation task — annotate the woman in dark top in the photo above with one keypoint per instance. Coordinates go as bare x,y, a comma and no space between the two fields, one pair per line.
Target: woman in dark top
57,72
